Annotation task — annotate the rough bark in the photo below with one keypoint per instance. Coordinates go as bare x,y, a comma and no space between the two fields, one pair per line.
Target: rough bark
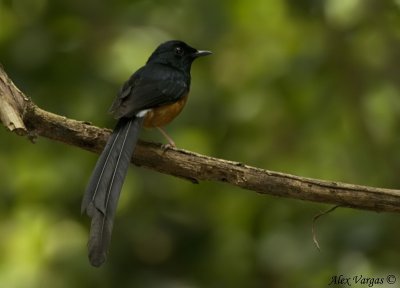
19,114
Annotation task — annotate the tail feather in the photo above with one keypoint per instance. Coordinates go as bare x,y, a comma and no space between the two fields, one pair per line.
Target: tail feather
103,166
102,194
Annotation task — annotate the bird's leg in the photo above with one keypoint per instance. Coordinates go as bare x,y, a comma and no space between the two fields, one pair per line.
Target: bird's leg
171,142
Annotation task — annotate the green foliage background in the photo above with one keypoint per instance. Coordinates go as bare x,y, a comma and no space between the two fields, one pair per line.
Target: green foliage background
304,87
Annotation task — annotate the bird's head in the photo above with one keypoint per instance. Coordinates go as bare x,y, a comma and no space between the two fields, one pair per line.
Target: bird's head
177,54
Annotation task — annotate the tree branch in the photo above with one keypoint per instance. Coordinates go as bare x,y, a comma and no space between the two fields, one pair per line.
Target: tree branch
19,114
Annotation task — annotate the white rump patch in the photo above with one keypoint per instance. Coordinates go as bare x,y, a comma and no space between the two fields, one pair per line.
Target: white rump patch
142,113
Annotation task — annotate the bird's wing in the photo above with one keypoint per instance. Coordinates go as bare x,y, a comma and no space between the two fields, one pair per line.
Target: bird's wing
149,88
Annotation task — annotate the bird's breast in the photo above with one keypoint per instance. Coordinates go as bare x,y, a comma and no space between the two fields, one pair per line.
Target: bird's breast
161,116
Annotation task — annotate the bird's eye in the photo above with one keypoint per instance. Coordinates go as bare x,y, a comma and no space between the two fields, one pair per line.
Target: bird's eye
178,51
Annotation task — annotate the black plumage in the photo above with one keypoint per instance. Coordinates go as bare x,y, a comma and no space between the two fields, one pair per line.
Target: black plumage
164,80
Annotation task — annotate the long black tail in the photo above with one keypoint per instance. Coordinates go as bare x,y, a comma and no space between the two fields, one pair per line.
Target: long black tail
102,193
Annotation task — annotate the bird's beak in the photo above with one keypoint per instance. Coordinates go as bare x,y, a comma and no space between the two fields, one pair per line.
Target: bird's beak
200,53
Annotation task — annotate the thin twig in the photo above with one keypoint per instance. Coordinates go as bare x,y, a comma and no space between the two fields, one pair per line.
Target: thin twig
313,228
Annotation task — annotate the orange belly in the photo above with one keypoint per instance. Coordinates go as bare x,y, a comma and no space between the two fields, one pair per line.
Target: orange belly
161,116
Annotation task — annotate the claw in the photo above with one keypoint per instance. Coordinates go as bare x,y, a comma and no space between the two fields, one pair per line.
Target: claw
167,146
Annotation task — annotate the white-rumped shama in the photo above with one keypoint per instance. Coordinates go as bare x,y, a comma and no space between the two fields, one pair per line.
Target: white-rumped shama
152,97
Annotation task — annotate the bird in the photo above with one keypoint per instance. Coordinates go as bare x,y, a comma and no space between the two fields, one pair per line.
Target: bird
152,97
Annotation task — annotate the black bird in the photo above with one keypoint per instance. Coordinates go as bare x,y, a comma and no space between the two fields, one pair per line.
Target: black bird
152,97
